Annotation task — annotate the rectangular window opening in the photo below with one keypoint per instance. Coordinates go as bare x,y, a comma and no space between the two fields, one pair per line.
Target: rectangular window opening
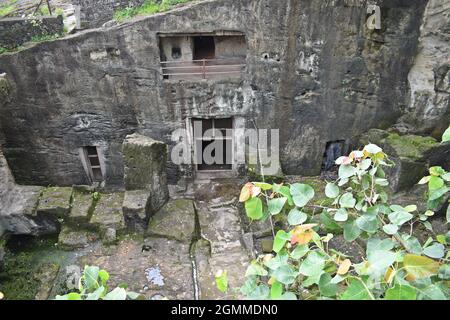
92,163
214,140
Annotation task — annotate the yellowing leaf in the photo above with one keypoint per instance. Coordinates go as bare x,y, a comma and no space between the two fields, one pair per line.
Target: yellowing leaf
419,266
271,281
245,192
344,267
303,234
389,275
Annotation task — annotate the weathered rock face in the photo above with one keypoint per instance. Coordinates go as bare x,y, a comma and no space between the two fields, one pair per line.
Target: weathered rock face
313,71
16,31
94,13
145,168
429,108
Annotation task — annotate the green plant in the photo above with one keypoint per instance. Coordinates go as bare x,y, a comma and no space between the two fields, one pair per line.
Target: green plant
96,196
93,286
396,266
46,37
147,8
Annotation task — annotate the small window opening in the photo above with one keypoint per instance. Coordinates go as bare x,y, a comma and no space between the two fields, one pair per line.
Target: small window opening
176,53
93,163
333,150
221,141
204,48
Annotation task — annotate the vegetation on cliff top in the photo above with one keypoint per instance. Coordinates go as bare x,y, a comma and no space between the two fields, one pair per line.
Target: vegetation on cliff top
147,8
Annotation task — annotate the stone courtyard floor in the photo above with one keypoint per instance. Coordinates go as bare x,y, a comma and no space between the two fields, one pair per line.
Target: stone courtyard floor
197,233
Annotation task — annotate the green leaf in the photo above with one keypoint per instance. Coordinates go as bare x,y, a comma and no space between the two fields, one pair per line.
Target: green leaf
435,183
341,215
276,205
222,281
437,193
390,229
446,135
346,171
261,292
103,276
436,251
276,290
264,186
419,266
288,296
301,194
296,217
413,245
374,244
372,148
326,287
97,294
436,171
347,200
400,217
69,296
254,269
254,208
379,261
280,240
285,274
278,261
356,291
328,222
299,252
410,208
401,292
90,276
368,223
424,180
331,190
313,264
116,294
433,292
351,231
285,191
444,272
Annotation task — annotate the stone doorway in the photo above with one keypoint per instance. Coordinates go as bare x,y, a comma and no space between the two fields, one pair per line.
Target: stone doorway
213,144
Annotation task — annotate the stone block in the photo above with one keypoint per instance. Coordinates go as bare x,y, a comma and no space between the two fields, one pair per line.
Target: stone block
176,220
70,239
145,162
55,201
108,212
135,210
82,207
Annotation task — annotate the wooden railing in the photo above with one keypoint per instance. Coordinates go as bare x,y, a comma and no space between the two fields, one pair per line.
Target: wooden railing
203,69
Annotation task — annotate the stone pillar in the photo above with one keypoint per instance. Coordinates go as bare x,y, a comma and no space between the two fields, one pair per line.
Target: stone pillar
145,178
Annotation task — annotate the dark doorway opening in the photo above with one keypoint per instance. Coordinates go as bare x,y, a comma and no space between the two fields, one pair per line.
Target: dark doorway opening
204,48
333,150
213,141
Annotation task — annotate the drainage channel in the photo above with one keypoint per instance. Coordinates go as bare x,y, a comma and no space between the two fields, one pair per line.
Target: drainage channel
197,235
